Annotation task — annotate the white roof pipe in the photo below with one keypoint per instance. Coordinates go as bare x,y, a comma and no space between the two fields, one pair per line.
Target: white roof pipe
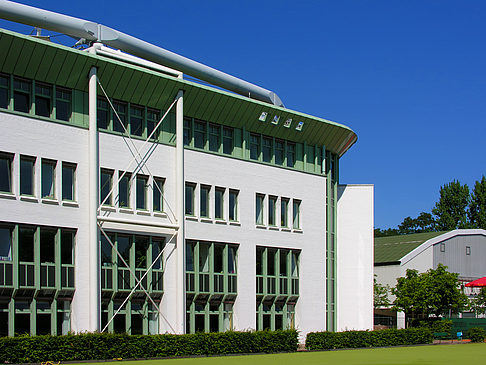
79,28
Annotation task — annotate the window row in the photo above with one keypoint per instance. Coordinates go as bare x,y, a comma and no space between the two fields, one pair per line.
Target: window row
37,177
208,136
272,150
215,202
34,97
129,191
266,211
136,120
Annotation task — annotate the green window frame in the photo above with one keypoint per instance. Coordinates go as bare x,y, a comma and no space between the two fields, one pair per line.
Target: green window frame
228,140
63,104
279,152
259,209
189,199
22,95
120,120
106,184
68,181
296,214
158,194
4,91
219,203
141,192
204,193
233,205
255,146
124,189
153,117
27,175
103,113
284,212
200,134
187,131
214,137
267,149
290,154
137,120
43,99
272,210
6,164
48,178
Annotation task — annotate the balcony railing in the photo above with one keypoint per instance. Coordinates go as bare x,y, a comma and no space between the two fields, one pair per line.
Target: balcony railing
106,278
48,275
26,275
67,276
6,273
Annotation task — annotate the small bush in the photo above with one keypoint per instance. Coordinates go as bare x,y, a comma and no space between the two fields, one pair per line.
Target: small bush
476,334
437,325
103,346
356,339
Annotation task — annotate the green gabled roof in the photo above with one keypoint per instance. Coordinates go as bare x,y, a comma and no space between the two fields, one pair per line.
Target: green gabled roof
391,249
44,61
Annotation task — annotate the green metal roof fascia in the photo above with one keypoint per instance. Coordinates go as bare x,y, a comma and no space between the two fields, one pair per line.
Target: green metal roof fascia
186,85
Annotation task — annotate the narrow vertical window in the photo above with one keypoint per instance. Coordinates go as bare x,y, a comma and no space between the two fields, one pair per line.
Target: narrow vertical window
27,175
296,214
199,134
63,104
67,246
290,154
187,131
152,121
22,95
4,91
189,199
233,205
102,113
124,190
442,247
68,181
136,120
254,146
259,209
158,194
43,99
106,250
272,207
6,172
48,173
468,250
26,244
214,137
228,140
106,186
120,116
267,149
284,209
204,201
279,151
142,183
47,243
219,203
5,244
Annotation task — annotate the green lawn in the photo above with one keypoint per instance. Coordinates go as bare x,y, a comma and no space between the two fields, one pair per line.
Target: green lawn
474,354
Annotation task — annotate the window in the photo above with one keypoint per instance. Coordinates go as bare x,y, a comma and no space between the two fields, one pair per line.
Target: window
442,247
214,137
102,113
272,207
259,209
43,97
6,172
136,120
254,146
152,121
124,190
189,199
296,214
27,175
187,131
468,250
158,194
22,91
5,244
68,181
63,104
267,149
67,245
228,143
142,184
204,201
26,244
47,243
233,205
284,208
105,187
279,151
290,154
120,122
4,91
218,203
48,173
199,134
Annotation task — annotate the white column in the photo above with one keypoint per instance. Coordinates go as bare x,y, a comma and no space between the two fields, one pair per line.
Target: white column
94,282
180,244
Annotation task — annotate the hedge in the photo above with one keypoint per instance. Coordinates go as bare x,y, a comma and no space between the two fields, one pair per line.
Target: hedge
476,334
355,339
102,346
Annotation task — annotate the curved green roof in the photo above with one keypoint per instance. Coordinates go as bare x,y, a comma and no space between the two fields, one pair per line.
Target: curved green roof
41,60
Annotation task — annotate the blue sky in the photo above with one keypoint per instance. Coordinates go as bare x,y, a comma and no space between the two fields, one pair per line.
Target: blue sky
407,76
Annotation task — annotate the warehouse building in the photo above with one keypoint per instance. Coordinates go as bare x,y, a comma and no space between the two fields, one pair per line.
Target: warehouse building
133,200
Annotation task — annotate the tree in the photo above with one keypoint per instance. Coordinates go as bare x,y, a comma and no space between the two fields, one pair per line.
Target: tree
477,207
433,293
425,222
380,294
409,225
450,210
